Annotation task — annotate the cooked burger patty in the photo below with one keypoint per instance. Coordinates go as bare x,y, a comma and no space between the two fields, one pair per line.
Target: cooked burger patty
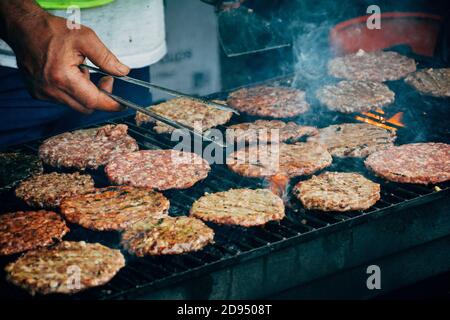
114,208
251,131
68,267
354,139
337,191
287,159
267,101
373,66
422,163
244,207
89,148
434,82
194,114
24,230
355,96
167,236
47,190
158,169
15,167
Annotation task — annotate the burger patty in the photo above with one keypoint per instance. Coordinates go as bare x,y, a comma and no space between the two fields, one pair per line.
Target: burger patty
89,148
287,159
114,208
423,163
267,101
15,167
67,267
354,139
194,114
158,169
244,207
355,96
263,129
372,66
434,82
47,190
25,230
337,191
167,236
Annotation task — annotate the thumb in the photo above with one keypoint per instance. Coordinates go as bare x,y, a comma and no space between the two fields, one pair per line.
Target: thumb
93,48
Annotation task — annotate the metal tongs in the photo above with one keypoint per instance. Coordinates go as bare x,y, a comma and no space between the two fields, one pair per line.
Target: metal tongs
152,114
149,85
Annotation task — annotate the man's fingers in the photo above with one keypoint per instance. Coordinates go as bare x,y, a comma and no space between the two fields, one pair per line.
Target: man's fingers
88,95
66,99
106,83
93,48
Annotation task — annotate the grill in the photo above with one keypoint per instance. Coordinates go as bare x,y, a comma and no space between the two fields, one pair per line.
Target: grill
303,247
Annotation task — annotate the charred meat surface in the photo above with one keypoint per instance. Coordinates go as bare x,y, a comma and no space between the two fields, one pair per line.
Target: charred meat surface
373,66
51,270
433,82
167,235
244,207
114,208
25,230
267,101
337,191
88,148
422,163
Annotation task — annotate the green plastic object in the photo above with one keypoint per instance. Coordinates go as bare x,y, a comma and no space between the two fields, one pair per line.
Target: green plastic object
64,4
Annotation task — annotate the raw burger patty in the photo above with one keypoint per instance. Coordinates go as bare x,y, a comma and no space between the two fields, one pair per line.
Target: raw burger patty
194,114
262,128
55,269
374,66
158,169
47,190
25,230
114,208
244,207
266,101
337,191
167,236
15,167
422,163
355,96
89,148
354,139
434,82
287,159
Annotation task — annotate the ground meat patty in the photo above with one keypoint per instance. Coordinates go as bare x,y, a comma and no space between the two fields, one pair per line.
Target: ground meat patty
423,163
25,230
373,66
89,148
15,167
167,236
337,191
434,82
114,208
355,96
244,207
47,190
252,131
354,139
267,101
287,159
194,114
67,267
158,169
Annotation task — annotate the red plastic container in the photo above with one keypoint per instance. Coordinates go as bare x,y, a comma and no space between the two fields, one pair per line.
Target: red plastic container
418,30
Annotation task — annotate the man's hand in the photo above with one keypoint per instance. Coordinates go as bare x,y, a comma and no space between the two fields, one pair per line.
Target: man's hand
49,53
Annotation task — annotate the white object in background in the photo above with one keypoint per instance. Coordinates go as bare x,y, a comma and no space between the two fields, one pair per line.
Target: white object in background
133,30
192,64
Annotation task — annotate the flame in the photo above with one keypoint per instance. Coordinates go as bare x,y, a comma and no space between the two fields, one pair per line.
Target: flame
381,121
278,185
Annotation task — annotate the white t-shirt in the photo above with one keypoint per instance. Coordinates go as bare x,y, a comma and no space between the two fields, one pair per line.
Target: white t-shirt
133,30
